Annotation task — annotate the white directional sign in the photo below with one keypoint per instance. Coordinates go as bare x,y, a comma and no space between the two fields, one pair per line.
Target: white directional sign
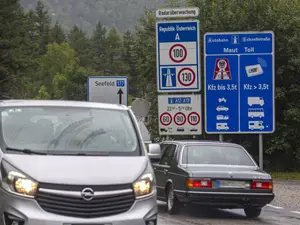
178,58
108,89
177,12
179,114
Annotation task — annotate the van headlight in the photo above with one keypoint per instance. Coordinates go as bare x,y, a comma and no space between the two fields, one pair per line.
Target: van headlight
144,186
16,182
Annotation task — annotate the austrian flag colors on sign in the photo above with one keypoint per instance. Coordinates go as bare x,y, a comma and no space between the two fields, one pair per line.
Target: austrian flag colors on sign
178,57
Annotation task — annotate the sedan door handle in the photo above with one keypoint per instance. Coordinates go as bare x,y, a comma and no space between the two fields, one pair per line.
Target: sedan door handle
165,171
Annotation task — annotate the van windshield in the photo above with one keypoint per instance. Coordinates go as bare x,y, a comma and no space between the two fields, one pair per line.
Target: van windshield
69,129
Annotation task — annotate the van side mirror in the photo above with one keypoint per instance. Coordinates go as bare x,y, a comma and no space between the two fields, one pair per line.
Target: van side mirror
154,152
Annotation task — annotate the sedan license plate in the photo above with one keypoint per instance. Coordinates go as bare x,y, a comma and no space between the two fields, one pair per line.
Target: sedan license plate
89,224
230,184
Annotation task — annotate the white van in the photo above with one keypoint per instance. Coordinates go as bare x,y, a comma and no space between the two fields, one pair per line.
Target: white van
68,162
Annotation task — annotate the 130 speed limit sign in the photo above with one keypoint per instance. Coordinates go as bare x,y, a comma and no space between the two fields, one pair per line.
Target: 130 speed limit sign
186,77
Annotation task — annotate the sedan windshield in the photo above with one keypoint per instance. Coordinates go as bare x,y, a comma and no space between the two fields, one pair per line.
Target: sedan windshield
216,155
69,129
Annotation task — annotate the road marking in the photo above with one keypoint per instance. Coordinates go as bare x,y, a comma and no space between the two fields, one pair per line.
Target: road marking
275,207
297,212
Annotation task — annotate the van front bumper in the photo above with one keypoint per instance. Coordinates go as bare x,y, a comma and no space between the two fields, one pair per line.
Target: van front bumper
29,211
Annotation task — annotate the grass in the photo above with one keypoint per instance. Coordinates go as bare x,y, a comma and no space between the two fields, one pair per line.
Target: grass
285,176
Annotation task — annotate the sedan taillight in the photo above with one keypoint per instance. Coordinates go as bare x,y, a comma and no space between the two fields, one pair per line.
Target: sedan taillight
199,183
258,184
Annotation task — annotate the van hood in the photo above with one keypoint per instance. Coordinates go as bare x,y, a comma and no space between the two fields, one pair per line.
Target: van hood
80,170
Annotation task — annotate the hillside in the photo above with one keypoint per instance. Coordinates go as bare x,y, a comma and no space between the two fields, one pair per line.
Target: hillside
86,13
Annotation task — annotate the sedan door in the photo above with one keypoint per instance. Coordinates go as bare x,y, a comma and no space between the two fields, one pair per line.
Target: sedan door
161,169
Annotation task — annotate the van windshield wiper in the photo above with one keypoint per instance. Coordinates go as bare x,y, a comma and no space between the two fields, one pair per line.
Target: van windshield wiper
26,151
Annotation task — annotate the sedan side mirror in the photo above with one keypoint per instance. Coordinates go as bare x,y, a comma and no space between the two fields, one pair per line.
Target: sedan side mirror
154,152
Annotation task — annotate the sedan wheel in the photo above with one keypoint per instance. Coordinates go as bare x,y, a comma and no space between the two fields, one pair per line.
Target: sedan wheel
252,212
173,205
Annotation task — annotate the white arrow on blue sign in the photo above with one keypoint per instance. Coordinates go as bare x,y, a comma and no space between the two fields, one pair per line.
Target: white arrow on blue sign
178,47
239,82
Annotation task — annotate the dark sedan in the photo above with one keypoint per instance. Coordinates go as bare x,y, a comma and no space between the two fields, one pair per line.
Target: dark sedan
211,174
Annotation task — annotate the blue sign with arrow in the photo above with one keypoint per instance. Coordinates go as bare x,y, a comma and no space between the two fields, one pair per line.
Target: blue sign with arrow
239,82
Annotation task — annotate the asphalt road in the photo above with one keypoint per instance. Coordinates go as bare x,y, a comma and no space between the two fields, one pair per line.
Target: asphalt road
269,216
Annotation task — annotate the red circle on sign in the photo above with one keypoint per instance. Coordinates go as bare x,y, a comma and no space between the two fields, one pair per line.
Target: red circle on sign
161,119
184,53
193,123
182,122
193,78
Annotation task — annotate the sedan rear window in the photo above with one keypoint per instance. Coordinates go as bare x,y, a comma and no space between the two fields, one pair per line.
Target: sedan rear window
216,155
74,129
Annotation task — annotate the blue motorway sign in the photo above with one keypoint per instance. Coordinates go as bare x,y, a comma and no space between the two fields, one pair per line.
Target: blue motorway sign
239,82
178,56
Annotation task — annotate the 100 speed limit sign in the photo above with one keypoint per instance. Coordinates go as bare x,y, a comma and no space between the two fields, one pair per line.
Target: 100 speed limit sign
178,53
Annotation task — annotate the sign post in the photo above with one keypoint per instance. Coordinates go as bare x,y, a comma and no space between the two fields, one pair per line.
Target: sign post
108,89
240,83
179,114
178,68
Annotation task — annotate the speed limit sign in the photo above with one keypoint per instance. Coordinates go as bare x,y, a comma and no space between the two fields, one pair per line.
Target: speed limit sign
186,76
178,53
194,118
179,119
165,119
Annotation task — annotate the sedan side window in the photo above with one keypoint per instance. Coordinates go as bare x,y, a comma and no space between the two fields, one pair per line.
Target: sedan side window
168,155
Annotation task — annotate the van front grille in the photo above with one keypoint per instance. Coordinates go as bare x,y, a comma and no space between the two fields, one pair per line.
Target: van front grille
73,205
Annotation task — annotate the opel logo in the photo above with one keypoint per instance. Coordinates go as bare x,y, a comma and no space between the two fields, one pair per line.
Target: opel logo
87,194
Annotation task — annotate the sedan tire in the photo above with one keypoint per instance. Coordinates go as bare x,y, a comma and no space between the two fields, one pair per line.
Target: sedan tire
173,206
252,212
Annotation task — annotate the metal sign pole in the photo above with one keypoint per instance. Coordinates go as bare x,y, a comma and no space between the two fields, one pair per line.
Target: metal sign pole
220,137
261,151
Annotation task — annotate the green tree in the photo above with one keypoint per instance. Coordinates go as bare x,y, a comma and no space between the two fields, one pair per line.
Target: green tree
129,58
115,64
42,22
57,60
57,34
98,48
71,85
81,44
17,51
145,53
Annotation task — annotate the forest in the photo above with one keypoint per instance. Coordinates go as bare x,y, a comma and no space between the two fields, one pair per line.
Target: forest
86,13
39,59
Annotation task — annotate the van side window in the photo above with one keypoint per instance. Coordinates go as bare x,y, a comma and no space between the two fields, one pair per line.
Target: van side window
168,155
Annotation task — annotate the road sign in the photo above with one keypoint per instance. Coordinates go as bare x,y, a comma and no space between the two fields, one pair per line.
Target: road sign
179,114
177,12
108,89
239,82
178,58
